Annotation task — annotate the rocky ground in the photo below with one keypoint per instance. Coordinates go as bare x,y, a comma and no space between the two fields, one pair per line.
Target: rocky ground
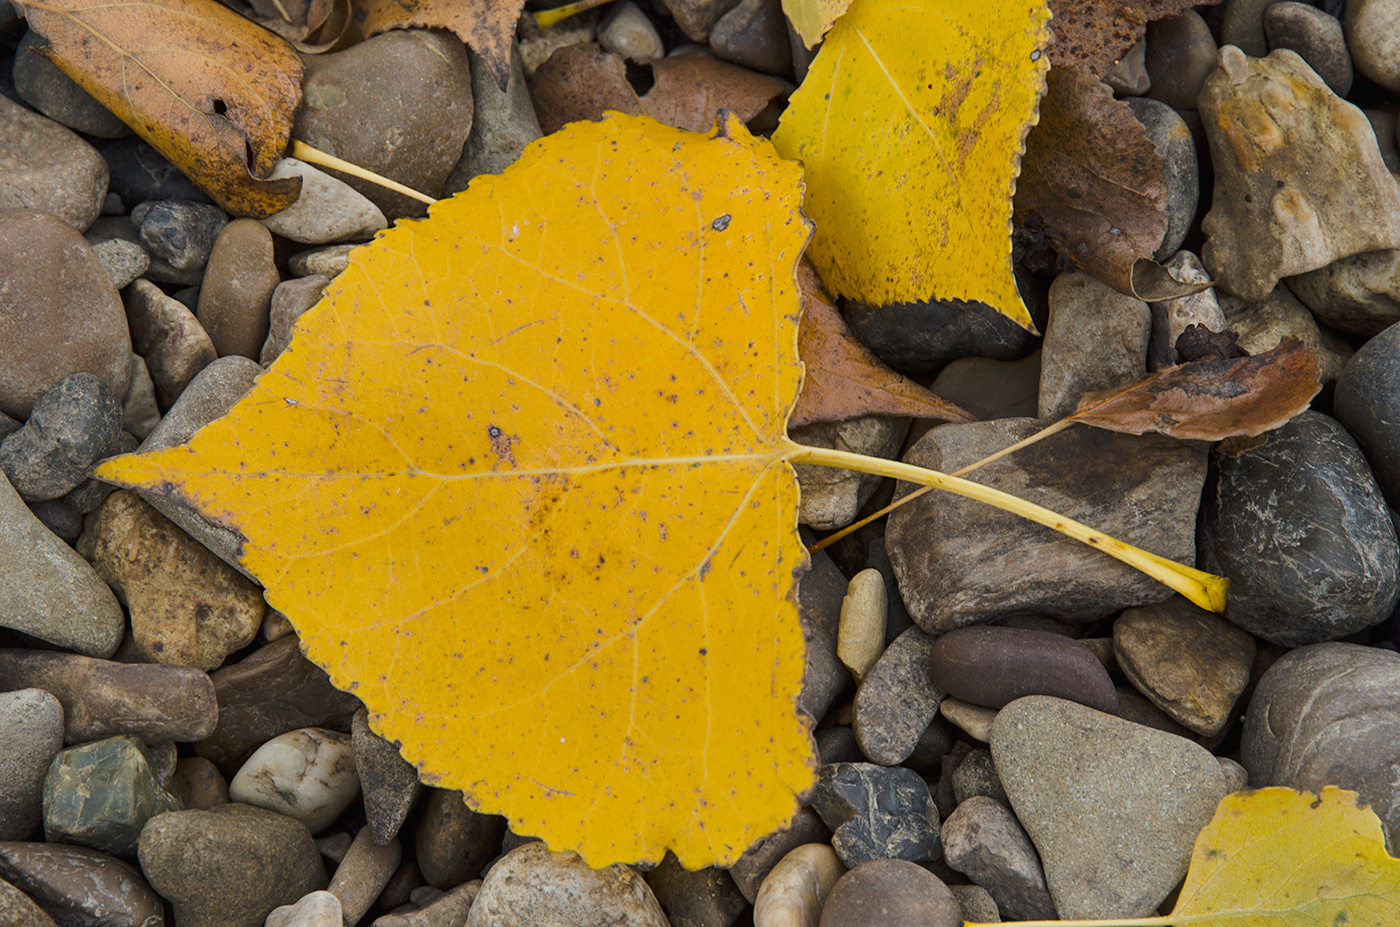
1010,725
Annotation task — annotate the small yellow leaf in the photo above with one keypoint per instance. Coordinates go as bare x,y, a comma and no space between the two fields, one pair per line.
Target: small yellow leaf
1279,858
811,18
910,124
519,482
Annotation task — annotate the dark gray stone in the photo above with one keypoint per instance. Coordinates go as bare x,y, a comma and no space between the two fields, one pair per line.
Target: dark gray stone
181,232
976,774
891,893
101,794
503,123
453,842
1170,135
79,887
758,860
991,388
140,173
44,86
158,269
390,783
1301,529
60,516
231,865
877,812
897,699
838,745
819,595
754,35
1315,36
1326,714
920,338
695,898
73,425
983,840
994,666
1367,402
1180,53
961,562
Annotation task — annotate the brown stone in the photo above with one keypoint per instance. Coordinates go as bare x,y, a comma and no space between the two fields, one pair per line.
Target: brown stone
102,698
454,842
891,893
188,608
236,295
48,168
19,910
59,313
897,699
80,886
695,897
169,337
758,860
1282,143
994,666
198,784
1191,663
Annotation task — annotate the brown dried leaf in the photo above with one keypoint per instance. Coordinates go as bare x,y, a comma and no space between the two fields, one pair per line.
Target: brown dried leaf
584,81
1093,183
844,379
1211,399
1095,34
312,27
207,88
487,26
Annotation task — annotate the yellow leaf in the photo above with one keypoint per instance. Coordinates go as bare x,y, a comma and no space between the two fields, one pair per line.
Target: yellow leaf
1280,858
210,90
474,482
811,18
911,123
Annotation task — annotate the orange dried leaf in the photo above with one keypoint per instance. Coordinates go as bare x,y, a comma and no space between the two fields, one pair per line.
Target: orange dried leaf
487,26
210,90
1209,400
910,125
519,482
844,379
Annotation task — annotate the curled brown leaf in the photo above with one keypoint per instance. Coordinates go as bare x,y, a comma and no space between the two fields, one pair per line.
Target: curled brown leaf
487,26
1095,34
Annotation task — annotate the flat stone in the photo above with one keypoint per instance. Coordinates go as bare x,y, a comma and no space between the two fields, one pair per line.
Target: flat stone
1180,53
766,852
1301,529
628,33
1096,339
1242,25
46,168
290,301
1367,402
1275,213
398,104
101,794
891,893
1133,706
961,562
19,910
73,425
363,873
832,496
983,840
307,774
697,17
120,227
976,774
80,886
326,210
754,35
973,720
705,897
1171,317
124,260
919,339
167,334
864,611
229,866
897,700
1315,36
1172,139
47,590
975,901
993,666
877,812
198,784
102,698
273,690
187,607
820,593
1112,807
316,909
1358,294
1263,324
180,232
453,843
44,86
31,734
1370,32
792,894
503,123
991,389
140,412
390,783
1128,78
59,313
1326,714
1191,663
448,909
236,294
327,262
532,887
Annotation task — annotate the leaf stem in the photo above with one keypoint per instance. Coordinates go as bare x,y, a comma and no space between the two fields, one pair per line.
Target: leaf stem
1158,921
547,18
1045,432
304,152
1205,589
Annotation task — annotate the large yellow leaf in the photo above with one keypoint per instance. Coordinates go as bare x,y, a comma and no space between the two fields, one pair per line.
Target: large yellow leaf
911,123
519,483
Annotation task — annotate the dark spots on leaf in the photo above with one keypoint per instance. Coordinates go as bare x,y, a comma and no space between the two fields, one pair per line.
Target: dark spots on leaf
704,652
722,223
